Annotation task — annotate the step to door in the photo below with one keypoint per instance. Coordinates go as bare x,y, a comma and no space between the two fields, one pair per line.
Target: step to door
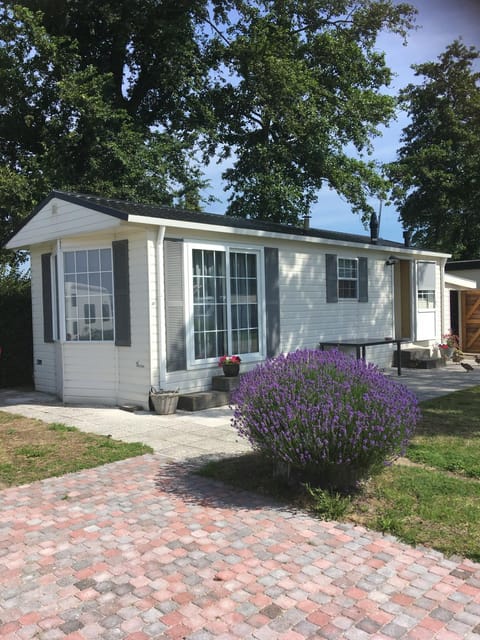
201,400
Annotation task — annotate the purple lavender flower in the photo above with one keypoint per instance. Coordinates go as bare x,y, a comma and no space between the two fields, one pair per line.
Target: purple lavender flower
321,408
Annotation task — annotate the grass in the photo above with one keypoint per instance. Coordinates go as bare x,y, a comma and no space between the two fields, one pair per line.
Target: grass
431,497
33,450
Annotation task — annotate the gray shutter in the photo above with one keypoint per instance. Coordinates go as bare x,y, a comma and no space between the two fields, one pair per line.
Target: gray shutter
121,289
272,301
47,298
331,277
363,280
175,306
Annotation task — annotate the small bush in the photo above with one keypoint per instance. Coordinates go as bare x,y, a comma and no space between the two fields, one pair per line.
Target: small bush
324,413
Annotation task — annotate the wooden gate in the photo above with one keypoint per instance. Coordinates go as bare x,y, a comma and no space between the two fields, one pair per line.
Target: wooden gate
471,321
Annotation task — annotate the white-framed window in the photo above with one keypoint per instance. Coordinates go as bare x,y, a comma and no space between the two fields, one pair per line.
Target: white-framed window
348,278
226,301
88,295
426,299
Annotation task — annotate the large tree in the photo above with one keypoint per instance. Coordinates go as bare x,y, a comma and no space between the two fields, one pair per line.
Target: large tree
93,98
296,99
437,174
115,97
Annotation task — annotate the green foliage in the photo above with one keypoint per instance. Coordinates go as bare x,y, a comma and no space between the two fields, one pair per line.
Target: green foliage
16,340
119,98
328,505
95,115
304,83
436,174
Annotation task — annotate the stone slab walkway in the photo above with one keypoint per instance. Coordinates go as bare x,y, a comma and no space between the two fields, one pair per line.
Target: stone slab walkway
143,549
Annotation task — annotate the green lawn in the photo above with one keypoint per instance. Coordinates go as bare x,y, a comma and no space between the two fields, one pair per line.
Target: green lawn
430,498
33,450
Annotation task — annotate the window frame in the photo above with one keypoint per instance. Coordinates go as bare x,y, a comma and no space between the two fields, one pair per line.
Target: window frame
226,248
347,279
60,296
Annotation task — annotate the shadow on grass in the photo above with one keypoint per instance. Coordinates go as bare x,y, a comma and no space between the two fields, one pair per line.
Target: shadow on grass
456,414
231,482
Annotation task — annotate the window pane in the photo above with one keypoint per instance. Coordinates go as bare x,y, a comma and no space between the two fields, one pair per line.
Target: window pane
253,339
94,281
69,262
211,346
106,282
81,261
347,289
221,316
94,260
106,259
251,265
222,347
208,258
197,262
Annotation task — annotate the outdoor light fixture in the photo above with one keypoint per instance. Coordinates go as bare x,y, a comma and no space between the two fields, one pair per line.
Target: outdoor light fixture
391,260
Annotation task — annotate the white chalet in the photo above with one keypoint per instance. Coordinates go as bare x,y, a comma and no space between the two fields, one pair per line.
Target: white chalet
128,296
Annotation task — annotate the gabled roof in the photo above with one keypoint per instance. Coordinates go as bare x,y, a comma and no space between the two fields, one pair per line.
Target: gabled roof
123,210
134,212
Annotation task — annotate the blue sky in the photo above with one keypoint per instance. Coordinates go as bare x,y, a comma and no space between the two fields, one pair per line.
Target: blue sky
440,22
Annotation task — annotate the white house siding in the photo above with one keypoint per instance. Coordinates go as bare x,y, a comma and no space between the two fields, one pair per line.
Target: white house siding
306,318
44,354
100,371
134,362
60,219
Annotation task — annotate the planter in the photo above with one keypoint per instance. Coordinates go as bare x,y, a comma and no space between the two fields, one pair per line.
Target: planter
164,402
447,352
231,370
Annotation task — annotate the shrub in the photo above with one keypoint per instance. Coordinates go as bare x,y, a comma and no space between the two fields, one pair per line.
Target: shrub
16,359
324,412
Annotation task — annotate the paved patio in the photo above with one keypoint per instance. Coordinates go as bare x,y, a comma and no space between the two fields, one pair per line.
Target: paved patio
144,549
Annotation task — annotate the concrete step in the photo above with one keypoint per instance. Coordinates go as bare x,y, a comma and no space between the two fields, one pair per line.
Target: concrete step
203,400
415,358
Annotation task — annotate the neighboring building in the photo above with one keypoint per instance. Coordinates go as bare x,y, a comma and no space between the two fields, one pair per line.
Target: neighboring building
462,280
126,296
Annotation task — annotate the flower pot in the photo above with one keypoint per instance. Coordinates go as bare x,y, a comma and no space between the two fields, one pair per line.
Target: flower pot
231,370
164,402
447,352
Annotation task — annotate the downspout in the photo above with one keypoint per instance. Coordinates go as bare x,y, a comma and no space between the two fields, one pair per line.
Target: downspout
443,329
59,315
161,341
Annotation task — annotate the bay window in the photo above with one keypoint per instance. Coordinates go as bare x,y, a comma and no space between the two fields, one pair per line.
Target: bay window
88,295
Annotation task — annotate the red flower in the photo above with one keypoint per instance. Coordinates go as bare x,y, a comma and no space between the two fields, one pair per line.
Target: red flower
229,360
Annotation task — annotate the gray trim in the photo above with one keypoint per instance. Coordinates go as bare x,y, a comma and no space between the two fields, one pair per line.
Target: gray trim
331,277
176,346
47,297
121,288
362,279
272,301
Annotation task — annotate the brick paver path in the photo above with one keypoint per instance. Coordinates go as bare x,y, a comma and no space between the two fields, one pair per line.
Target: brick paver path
142,549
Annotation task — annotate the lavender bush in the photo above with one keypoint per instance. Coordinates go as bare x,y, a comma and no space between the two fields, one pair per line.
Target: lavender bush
324,411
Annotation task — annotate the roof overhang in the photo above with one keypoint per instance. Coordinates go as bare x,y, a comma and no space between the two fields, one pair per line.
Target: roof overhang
455,282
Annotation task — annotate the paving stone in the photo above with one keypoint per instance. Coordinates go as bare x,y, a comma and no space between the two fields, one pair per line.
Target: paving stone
145,550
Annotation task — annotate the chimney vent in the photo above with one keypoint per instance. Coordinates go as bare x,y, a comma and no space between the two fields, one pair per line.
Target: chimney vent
374,228
306,221
407,238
